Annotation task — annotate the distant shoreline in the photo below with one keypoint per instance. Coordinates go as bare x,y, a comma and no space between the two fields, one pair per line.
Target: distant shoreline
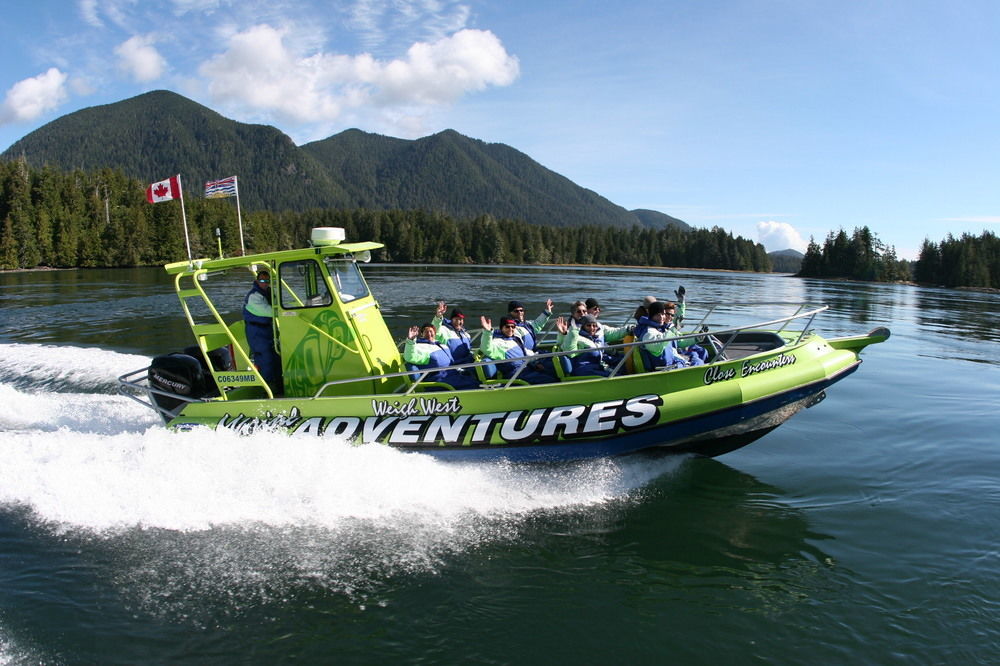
36,269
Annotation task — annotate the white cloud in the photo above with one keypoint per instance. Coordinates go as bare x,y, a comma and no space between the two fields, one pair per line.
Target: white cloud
30,98
440,72
186,6
139,58
380,22
258,70
777,236
88,9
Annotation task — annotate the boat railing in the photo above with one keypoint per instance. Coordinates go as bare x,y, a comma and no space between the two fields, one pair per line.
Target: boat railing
131,384
506,382
802,311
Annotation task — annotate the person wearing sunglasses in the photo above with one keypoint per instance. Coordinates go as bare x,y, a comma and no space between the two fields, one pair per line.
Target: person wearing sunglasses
588,338
529,331
576,311
505,344
258,313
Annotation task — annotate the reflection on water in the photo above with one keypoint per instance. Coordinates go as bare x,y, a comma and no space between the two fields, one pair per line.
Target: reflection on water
861,531
136,310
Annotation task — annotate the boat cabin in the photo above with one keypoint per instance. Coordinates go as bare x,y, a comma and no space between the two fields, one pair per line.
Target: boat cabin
327,324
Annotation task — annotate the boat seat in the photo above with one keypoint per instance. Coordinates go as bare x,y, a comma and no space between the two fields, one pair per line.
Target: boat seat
425,385
489,377
564,369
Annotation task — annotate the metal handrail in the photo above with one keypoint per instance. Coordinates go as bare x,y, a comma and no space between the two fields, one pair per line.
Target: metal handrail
459,366
507,382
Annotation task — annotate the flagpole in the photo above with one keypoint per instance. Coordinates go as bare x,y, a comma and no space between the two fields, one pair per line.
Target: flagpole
187,240
239,216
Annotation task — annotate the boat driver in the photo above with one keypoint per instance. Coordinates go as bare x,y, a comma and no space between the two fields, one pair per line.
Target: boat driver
258,313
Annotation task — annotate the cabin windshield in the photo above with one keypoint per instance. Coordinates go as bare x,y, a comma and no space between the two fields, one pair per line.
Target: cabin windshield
346,278
303,286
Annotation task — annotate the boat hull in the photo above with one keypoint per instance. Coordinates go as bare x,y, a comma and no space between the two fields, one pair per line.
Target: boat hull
707,410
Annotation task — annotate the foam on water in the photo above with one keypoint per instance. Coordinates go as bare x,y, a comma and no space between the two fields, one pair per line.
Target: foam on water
247,518
34,366
95,480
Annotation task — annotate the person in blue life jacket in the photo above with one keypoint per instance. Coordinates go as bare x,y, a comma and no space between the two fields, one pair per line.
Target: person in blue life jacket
529,331
423,351
452,333
258,313
505,345
588,337
687,346
655,329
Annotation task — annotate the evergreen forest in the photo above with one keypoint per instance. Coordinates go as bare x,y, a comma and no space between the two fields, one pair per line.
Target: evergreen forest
968,261
862,256
100,218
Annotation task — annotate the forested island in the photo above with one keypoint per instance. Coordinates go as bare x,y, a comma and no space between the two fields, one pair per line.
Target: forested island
967,261
101,219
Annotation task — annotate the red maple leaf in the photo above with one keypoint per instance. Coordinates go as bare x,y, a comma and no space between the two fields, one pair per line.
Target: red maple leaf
161,191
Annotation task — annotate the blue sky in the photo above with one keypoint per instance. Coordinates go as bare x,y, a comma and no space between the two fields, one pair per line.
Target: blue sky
775,119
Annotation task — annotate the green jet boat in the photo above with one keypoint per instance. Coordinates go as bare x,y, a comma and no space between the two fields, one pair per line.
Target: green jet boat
344,376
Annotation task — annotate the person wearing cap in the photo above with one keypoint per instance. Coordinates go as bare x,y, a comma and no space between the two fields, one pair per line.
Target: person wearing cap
422,350
452,333
655,329
529,331
588,337
505,344
593,307
258,313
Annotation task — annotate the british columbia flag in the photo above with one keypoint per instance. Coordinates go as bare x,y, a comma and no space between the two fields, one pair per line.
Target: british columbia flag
218,189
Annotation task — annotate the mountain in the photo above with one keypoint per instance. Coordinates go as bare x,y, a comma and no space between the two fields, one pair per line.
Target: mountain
786,261
464,177
161,133
654,219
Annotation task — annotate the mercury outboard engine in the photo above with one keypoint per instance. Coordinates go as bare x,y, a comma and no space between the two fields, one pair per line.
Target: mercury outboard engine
221,358
178,375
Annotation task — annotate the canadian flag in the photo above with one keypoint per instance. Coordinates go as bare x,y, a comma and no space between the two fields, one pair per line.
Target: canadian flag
165,190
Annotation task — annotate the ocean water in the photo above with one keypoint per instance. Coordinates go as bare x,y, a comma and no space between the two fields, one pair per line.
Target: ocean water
864,530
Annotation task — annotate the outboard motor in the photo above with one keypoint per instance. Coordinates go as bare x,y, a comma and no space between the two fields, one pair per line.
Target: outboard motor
221,358
178,375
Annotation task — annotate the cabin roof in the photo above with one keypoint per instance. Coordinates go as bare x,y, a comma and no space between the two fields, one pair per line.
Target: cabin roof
269,257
